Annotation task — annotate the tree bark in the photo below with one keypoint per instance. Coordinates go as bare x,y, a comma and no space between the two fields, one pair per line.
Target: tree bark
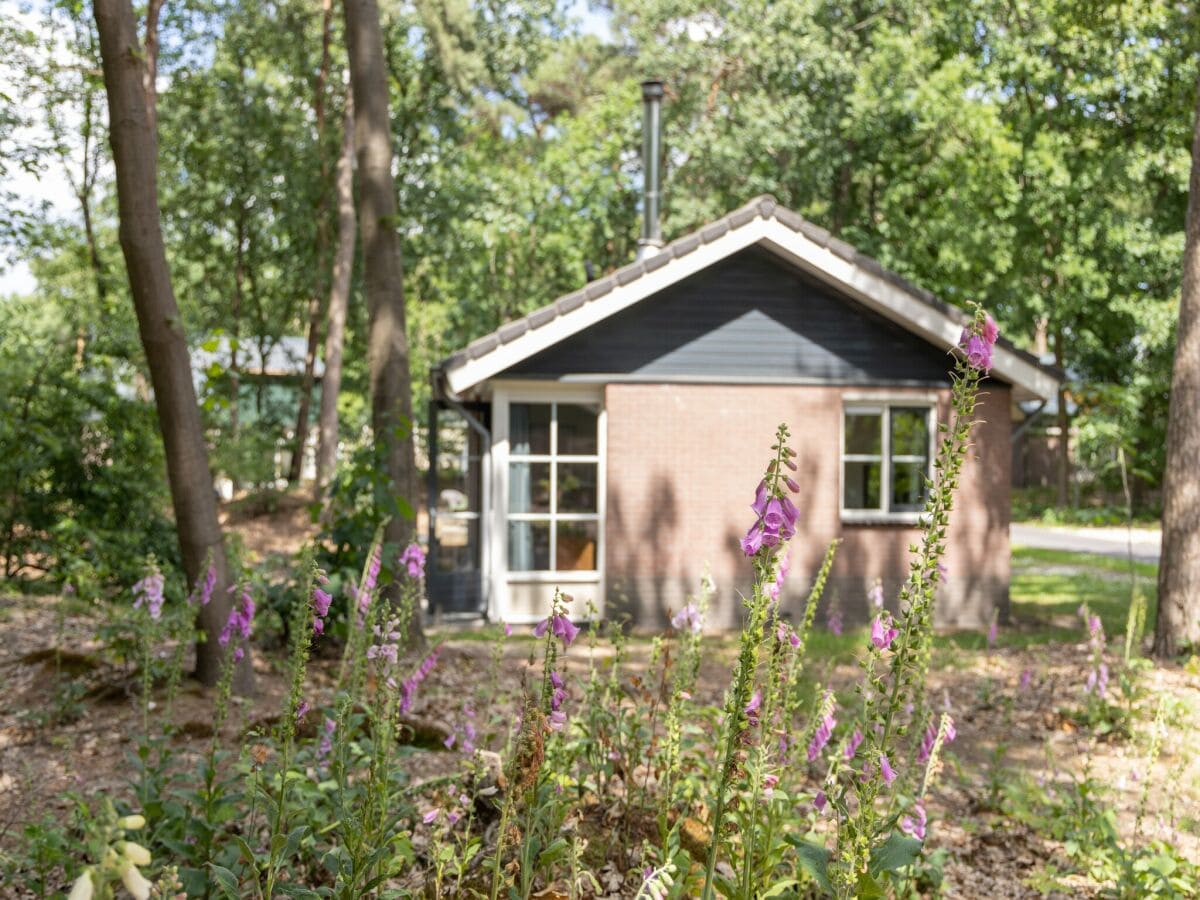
339,301
1062,472
135,150
390,380
1178,622
296,467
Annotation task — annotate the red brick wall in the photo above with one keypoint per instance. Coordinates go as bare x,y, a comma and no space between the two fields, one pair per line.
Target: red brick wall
683,461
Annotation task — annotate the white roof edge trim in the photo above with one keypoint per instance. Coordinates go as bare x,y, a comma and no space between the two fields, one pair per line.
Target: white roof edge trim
873,291
898,305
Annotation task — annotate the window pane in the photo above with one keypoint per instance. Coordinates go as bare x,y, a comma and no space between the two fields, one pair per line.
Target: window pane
576,549
910,431
908,486
457,544
864,433
576,487
577,430
861,487
528,546
528,487
529,428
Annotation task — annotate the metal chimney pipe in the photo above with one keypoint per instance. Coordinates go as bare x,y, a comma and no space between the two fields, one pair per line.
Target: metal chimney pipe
651,240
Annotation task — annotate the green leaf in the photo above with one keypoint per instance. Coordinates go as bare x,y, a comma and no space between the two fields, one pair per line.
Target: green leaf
898,851
813,859
779,887
225,880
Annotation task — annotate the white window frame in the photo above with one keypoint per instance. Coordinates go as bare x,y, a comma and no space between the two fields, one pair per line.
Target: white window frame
882,406
504,394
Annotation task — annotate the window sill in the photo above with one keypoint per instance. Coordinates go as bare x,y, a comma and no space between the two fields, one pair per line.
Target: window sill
564,577
867,517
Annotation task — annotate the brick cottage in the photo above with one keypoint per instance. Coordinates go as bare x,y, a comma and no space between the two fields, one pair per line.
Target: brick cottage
610,443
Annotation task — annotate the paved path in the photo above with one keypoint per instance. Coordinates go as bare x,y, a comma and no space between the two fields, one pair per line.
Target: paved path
1147,542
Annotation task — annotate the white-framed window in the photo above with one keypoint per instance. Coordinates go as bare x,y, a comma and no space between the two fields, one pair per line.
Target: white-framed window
554,482
886,458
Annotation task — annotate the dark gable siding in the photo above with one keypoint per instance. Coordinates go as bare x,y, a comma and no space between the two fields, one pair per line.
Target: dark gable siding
751,316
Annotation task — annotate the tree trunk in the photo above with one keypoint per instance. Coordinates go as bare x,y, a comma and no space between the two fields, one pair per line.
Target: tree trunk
339,300
135,150
391,388
296,467
1179,574
1062,472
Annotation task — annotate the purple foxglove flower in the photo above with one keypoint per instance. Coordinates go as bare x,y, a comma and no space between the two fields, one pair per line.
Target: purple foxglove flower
149,592
558,719
991,332
927,743
556,680
951,731
886,770
507,630
321,602
413,558
915,827
774,518
302,710
882,633
943,572
448,743
993,633
688,619
790,515
834,623
875,595
821,737
238,653
210,582
979,353
856,740
760,500
452,818
318,625
770,536
792,486
768,784
753,707
539,630
753,540
1026,678
820,801
565,631
430,817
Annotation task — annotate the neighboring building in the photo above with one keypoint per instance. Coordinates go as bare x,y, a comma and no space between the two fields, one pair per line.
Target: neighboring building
610,443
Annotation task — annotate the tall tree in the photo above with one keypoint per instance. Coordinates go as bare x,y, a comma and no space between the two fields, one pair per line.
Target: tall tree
387,351
135,158
296,467
1178,622
339,301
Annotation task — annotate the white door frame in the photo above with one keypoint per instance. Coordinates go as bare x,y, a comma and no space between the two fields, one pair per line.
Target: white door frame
505,392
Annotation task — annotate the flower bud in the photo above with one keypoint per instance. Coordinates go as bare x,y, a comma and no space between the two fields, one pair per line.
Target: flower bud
132,823
83,888
136,853
135,882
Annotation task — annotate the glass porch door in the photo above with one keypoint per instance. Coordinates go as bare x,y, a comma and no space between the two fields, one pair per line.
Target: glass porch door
454,575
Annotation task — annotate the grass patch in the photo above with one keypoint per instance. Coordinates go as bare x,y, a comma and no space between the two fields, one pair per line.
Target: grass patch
1048,587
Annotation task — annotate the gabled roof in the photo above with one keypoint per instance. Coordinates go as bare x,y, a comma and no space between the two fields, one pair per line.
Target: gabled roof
761,222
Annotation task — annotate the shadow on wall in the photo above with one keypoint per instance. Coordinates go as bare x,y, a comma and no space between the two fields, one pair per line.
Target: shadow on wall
642,591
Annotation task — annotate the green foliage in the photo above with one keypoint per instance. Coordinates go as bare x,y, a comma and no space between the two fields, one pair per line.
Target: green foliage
82,493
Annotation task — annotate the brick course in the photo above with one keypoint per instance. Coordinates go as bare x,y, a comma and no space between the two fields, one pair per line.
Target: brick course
682,464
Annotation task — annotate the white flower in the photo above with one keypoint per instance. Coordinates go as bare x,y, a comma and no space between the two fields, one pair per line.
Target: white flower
135,882
136,853
83,888
132,823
